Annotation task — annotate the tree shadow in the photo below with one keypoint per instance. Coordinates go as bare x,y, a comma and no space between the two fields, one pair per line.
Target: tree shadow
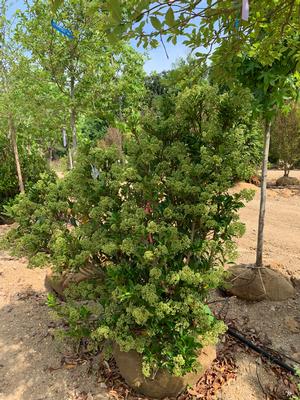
294,189
32,366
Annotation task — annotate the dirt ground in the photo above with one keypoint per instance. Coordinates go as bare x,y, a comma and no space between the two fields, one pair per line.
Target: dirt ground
34,367
276,324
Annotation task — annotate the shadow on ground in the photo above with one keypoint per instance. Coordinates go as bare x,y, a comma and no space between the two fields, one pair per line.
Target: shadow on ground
31,366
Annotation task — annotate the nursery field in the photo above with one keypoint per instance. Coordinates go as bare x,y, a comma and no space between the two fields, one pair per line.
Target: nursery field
34,366
133,265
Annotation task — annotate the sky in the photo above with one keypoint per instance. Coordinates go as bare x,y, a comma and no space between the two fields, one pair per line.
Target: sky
157,59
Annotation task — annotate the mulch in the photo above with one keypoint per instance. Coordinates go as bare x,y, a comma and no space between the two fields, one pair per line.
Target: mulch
223,370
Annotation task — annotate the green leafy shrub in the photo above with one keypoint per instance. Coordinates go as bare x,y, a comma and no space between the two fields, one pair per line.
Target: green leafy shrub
158,223
173,232
44,217
285,138
32,165
56,218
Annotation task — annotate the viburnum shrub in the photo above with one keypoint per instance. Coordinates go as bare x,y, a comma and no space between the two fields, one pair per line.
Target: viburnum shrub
175,227
57,217
160,224
42,215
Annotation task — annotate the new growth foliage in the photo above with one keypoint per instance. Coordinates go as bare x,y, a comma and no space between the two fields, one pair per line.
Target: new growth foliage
156,225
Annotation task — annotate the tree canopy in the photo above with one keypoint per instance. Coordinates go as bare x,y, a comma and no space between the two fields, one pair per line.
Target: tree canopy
203,24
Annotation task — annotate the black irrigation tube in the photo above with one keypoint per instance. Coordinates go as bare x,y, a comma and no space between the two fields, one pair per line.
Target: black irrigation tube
237,335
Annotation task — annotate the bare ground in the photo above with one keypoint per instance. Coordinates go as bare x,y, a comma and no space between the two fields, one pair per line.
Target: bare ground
276,324
32,364
34,367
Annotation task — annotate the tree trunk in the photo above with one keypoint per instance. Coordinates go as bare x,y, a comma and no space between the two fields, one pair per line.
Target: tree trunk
50,154
263,196
71,164
72,123
73,114
13,136
286,170
73,128
64,137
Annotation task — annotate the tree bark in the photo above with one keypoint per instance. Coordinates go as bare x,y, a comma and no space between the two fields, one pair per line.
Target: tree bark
50,154
71,164
72,123
286,170
263,196
13,136
73,128
73,113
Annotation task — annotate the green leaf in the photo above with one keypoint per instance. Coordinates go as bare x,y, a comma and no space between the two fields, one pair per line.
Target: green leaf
116,11
170,20
155,23
154,43
56,4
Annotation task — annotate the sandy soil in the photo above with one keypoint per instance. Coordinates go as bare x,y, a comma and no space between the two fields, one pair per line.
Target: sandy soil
34,367
276,324
282,228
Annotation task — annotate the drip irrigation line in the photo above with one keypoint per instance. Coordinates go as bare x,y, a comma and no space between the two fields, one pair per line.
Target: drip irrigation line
283,355
237,335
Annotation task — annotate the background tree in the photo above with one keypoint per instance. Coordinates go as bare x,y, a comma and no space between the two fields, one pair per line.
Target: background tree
204,24
88,71
21,112
7,55
35,126
271,85
285,137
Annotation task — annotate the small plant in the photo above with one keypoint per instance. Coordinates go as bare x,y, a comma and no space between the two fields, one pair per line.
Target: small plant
298,385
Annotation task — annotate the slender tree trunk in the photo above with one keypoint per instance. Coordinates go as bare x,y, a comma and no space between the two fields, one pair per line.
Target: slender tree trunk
71,164
73,128
73,113
73,121
286,170
64,137
50,154
13,136
263,196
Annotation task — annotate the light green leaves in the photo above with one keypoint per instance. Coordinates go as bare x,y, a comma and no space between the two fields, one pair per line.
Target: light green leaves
115,8
56,4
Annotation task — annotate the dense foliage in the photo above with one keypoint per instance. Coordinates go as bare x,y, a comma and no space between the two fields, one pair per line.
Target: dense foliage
32,162
148,213
285,142
148,209
156,225
205,25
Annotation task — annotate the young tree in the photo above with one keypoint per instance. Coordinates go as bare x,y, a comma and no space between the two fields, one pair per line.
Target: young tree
88,71
285,139
271,85
8,89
